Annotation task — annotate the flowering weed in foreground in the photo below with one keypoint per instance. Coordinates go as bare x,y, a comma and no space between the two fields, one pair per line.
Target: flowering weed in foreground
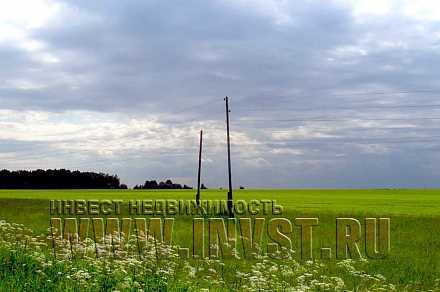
29,263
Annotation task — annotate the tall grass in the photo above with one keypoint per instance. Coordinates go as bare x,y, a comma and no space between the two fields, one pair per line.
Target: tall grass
29,263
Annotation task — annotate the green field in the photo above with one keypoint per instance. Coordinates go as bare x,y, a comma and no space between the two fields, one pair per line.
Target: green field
415,219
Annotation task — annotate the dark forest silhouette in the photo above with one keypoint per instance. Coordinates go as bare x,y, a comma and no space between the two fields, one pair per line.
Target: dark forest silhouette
168,184
57,179
68,179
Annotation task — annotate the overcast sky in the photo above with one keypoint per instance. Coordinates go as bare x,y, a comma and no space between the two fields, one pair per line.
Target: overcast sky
323,93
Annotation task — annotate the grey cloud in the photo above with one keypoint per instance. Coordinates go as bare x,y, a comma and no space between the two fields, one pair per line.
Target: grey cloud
147,53
177,60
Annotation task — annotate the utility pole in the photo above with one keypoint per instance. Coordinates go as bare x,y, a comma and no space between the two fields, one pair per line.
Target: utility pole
231,214
200,168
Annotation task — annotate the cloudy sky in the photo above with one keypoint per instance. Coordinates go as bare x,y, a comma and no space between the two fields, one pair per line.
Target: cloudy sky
323,93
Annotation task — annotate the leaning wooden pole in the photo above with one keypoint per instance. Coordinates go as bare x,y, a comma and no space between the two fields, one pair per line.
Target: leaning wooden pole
199,171
230,207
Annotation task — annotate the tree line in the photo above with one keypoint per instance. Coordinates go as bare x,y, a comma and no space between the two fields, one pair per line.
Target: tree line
57,179
68,179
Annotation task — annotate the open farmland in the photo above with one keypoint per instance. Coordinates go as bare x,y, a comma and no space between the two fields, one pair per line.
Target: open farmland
415,219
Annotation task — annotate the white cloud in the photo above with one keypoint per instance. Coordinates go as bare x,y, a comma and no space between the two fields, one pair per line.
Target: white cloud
301,132
109,134
19,18
424,10
26,14
288,151
21,84
258,162
370,7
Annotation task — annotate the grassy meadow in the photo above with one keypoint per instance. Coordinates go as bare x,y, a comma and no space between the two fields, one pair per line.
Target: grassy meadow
413,263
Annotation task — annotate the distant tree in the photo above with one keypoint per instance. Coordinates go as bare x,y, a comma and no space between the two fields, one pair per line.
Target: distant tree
167,184
123,186
187,187
150,184
241,187
203,187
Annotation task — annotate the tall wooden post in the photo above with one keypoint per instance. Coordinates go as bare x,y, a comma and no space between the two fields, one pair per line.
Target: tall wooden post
230,209
200,168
